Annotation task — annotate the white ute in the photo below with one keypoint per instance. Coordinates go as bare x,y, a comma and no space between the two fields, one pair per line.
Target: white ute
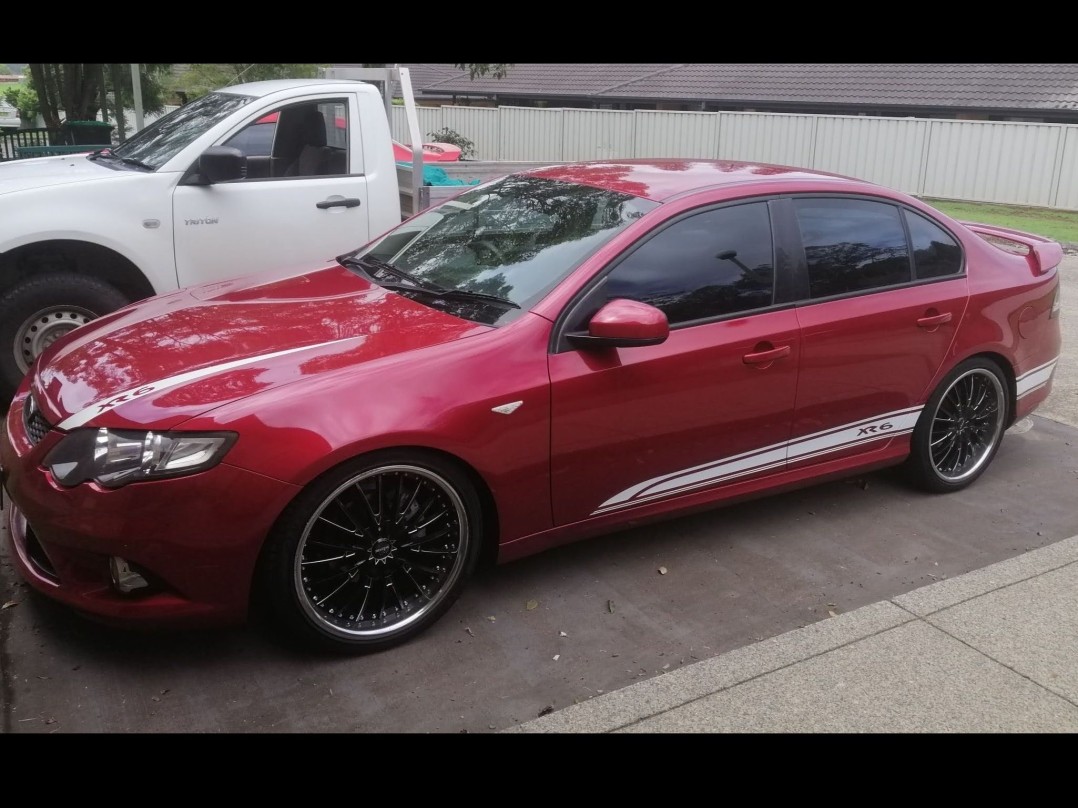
255,177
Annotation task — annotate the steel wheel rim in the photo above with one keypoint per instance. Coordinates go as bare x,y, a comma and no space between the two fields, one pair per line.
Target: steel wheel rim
966,425
381,551
43,328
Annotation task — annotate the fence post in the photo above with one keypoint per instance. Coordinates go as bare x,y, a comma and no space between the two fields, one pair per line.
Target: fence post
926,153
1057,166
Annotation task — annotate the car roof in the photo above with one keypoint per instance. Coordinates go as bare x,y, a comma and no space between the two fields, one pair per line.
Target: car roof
660,180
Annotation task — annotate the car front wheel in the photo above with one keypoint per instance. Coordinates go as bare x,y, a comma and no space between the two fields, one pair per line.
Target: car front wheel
374,552
960,428
39,310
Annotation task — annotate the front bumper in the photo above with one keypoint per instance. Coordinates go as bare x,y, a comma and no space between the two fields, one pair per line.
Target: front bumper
196,539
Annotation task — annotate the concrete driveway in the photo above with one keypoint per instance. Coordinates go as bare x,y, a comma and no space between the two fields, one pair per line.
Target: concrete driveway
603,616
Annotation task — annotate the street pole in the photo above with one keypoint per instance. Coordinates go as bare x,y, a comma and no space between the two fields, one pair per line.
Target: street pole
136,87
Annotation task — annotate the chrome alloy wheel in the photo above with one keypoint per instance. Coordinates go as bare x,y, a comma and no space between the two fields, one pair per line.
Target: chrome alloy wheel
967,425
43,328
381,551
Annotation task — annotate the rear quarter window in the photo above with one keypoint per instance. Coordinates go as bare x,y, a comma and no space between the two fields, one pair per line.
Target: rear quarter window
935,253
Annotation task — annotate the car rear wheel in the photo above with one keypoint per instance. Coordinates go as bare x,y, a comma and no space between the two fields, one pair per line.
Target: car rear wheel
373,553
960,428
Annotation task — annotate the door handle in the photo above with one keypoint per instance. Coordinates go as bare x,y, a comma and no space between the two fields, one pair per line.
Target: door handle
338,203
933,320
764,357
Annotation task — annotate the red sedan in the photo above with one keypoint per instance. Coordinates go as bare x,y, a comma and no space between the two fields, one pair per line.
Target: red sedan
547,356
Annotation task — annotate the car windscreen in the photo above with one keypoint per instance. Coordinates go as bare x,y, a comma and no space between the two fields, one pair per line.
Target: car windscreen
514,238
164,138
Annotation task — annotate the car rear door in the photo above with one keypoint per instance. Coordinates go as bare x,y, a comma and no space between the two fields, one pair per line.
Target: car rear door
711,405
877,321
273,219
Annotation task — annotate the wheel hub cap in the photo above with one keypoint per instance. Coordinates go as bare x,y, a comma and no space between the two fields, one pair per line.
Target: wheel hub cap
382,551
43,328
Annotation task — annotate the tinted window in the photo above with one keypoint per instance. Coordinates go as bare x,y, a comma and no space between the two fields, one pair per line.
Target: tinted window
713,263
934,252
852,245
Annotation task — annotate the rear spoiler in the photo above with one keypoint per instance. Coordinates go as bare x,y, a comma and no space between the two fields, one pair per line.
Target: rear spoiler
1044,254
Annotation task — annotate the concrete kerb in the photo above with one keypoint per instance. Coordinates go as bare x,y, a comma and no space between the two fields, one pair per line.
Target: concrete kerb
613,711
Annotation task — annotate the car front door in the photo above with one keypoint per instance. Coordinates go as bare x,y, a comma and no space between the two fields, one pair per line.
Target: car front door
877,320
304,199
709,406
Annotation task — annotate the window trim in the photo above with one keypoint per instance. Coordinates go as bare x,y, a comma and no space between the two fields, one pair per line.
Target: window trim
559,342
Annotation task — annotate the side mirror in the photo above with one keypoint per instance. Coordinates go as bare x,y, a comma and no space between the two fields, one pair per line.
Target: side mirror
624,324
222,163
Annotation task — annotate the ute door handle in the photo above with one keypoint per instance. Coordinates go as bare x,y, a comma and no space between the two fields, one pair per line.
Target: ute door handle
933,320
767,356
338,203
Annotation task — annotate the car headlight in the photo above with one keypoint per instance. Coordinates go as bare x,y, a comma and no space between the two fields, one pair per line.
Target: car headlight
115,457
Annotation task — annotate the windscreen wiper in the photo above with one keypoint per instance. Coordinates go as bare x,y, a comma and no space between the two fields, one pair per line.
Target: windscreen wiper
370,264
453,294
131,161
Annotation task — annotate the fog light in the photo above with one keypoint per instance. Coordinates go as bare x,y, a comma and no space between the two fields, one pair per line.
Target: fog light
124,577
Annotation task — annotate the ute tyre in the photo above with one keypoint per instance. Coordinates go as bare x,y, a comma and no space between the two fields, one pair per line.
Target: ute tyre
39,310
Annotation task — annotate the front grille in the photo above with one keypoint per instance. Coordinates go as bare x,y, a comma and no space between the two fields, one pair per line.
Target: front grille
34,422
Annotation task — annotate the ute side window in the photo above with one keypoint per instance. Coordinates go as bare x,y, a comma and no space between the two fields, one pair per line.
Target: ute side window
301,140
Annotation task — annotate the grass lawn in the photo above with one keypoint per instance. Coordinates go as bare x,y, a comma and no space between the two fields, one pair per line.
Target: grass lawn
1060,225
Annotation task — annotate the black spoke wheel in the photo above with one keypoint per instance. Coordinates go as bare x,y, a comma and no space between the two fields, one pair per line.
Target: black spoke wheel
375,552
961,427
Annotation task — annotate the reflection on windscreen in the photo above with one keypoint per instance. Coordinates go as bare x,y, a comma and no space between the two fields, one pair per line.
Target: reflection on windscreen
164,138
514,238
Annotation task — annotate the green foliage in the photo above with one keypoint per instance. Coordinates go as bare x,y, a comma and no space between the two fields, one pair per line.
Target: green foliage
5,70
204,78
496,71
75,89
447,135
24,99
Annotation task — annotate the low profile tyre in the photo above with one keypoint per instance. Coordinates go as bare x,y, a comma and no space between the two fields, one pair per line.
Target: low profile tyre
39,310
373,553
960,428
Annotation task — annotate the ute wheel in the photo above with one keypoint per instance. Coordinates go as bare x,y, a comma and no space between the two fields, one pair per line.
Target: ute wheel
960,428
372,553
37,311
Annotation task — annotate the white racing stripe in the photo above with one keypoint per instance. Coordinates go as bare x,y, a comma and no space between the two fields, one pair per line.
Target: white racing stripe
892,424
1035,379
104,405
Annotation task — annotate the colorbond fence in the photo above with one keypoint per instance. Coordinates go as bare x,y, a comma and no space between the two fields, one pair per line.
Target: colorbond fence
984,161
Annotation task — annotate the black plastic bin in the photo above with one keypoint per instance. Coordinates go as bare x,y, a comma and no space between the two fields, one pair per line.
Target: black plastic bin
87,133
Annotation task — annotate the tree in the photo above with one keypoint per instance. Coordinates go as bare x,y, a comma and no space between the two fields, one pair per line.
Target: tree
496,71
77,89
5,70
204,78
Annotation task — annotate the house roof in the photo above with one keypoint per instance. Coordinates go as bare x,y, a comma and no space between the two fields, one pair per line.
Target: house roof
980,86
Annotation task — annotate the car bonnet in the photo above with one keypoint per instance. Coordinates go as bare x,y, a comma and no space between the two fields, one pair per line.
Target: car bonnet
167,359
